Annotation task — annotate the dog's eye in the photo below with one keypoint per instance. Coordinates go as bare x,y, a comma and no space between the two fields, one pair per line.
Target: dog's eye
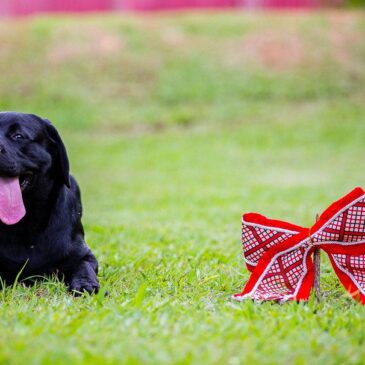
17,136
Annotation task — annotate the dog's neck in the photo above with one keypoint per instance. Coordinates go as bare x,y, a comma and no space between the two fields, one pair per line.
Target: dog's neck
39,206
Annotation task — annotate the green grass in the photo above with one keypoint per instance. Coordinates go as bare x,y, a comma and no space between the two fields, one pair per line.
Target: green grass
175,126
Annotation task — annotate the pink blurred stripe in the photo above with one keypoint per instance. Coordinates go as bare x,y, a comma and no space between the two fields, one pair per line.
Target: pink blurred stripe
176,4
25,7
280,4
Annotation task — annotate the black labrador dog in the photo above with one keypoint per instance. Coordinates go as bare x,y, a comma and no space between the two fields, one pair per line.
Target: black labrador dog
40,207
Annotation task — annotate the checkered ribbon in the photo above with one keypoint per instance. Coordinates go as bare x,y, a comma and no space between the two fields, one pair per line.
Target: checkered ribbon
279,254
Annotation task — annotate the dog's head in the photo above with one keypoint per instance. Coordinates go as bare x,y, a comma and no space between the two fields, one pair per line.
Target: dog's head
33,159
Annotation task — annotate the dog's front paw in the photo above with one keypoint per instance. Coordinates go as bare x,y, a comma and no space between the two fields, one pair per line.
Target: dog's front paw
79,286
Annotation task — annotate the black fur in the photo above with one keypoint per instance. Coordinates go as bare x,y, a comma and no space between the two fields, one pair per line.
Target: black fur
50,237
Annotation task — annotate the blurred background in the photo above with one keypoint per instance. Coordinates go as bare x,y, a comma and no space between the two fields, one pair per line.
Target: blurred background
18,7
195,112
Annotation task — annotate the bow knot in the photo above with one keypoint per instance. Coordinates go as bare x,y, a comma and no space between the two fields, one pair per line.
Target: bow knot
278,253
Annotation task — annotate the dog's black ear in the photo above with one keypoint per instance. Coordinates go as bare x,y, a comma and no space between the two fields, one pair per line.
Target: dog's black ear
61,157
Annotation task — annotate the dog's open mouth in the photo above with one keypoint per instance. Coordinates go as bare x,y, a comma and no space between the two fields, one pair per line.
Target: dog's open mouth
12,208
25,180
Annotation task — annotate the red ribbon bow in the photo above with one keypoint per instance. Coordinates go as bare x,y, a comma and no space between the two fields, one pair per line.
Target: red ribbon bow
279,253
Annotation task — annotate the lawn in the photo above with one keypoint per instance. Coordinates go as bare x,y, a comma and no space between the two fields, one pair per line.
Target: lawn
177,124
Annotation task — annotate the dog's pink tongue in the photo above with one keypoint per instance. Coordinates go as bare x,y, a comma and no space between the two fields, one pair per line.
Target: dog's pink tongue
12,208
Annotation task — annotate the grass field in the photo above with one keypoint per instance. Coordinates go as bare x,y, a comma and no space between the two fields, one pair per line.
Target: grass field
175,126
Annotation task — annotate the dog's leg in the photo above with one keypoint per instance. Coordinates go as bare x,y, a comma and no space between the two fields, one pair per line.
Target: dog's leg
84,276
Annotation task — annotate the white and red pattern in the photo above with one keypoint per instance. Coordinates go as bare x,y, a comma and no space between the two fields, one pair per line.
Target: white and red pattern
354,268
256,240
279,253
348,226
281,280
354,265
